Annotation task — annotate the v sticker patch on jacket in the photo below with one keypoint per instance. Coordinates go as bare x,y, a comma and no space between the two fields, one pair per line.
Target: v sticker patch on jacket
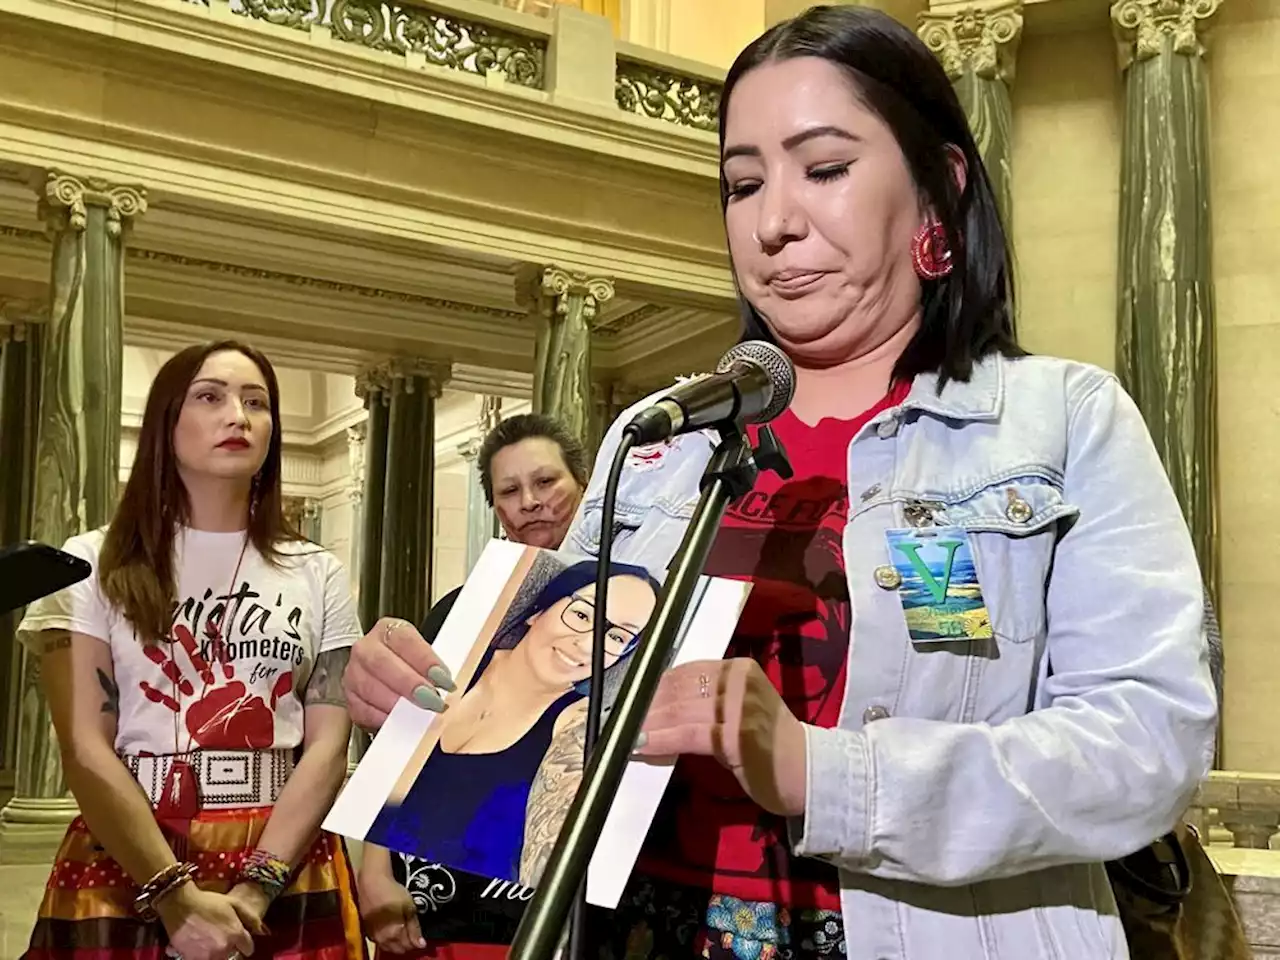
939,591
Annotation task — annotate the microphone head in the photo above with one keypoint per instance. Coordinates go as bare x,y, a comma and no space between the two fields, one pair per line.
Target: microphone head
776,365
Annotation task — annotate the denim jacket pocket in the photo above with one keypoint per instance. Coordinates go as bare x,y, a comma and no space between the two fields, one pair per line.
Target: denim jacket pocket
1013,524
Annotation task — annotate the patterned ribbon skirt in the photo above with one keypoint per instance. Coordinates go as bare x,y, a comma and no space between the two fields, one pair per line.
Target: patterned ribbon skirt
664,921
87,912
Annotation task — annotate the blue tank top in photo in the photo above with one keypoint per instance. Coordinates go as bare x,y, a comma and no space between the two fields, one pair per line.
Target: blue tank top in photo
467,810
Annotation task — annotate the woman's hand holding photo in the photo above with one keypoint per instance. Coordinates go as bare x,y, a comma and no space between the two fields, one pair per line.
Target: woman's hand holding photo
728,709
389,662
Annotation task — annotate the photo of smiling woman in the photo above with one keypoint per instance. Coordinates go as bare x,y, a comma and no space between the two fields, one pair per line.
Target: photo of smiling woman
531,684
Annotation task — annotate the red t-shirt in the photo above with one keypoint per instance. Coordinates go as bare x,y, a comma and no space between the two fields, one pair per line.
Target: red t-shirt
786,538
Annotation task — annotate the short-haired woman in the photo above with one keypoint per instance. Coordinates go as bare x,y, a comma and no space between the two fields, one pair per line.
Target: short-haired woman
533,472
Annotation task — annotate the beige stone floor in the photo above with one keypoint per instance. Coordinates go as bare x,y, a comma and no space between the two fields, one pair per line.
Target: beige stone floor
20,892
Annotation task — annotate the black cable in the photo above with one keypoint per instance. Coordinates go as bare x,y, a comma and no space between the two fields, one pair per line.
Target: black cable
595,699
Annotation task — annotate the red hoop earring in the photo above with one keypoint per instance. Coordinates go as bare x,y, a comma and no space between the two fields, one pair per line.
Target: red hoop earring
930,253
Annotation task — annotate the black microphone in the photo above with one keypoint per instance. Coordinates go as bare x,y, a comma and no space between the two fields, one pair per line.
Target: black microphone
753,383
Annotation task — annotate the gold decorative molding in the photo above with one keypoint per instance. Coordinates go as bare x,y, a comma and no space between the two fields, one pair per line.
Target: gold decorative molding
676,96
21,233
562,285
983,38
373,381
356,434
382,378
64,198
617,326
1141,27
17,313
433,374
316,283
439,37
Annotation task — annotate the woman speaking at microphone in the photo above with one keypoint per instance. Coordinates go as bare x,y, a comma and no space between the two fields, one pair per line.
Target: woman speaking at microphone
971,667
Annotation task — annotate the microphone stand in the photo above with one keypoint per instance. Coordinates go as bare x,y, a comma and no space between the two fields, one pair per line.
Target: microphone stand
730,474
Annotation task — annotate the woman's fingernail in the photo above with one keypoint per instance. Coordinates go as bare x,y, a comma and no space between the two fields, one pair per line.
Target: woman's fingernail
428,699
442,678
641,741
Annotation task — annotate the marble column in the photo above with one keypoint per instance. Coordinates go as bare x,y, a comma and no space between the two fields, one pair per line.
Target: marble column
313,520
608,401
21,334
359,741
366,518
1166,326
978,47
562,352
355,493
482,522
408,511
77,452
373,387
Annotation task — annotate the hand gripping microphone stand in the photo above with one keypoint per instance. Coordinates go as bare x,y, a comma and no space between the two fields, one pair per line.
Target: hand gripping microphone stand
730,474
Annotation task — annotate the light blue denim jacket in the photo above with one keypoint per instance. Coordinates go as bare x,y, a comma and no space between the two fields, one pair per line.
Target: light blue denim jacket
973,788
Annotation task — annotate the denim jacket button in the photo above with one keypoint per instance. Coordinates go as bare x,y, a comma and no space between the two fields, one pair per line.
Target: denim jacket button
1019,511
887,577
887,428
873,713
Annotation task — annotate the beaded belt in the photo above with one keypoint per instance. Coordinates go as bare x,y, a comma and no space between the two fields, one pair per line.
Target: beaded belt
227,778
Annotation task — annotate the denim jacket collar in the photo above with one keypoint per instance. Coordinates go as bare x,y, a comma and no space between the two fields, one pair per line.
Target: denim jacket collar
979,398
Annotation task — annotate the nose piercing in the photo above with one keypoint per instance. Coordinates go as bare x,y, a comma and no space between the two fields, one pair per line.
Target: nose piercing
704,686
756,237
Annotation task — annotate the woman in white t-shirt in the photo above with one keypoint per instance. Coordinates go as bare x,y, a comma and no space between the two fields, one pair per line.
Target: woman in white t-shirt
195,685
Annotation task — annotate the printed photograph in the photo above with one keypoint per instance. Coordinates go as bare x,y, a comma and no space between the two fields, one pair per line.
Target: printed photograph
528,692
483,787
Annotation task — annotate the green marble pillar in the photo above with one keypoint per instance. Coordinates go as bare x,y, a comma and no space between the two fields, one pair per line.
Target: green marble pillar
562,351
369,471
1165,329
978,47
609,400
482,522
372,388
355,492
77,451
21,334
408,512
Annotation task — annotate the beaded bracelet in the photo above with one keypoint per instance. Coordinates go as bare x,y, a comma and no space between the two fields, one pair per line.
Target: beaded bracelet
267,871
160,886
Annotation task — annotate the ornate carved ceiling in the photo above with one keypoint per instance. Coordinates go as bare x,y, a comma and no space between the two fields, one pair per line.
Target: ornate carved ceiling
329,303
346,198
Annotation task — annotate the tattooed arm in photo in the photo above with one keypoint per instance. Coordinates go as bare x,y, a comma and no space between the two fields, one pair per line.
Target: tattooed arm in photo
80,686
554,787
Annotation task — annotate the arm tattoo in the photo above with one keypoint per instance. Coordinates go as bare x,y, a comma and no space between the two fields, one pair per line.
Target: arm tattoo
325,683
111,693
554,787
57,640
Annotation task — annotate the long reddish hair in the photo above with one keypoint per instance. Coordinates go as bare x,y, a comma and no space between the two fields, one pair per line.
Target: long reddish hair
136,564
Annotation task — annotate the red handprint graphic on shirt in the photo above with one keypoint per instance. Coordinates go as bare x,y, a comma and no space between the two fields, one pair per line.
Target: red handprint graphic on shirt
226,715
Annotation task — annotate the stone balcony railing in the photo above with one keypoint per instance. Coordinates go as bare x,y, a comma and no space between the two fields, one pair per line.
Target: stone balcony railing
1239,810
503,47
1238,814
